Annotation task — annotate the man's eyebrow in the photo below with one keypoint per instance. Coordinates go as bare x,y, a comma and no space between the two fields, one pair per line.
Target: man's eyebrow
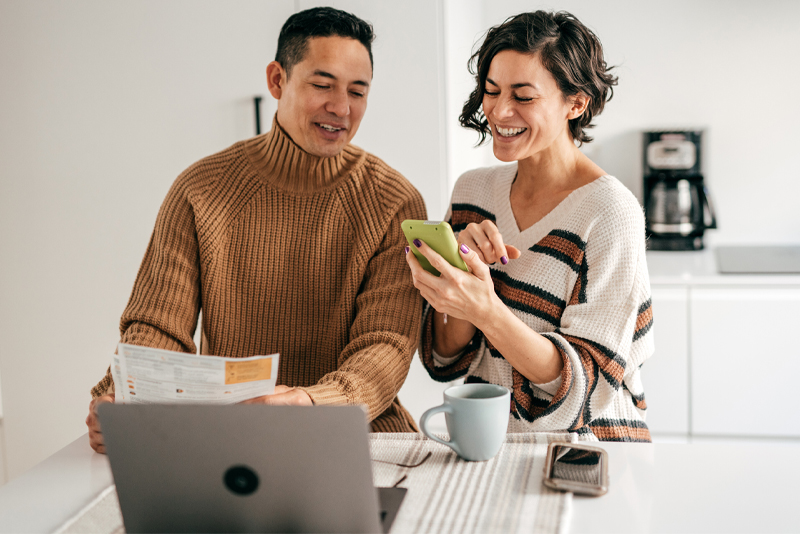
514,86
325,74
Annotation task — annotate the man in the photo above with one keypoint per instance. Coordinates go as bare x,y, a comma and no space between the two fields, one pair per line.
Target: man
290,242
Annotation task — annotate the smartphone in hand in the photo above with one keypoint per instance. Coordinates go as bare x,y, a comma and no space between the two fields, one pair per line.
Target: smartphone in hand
439,236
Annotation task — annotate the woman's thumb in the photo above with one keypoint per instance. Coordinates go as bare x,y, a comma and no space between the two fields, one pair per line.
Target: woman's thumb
474,262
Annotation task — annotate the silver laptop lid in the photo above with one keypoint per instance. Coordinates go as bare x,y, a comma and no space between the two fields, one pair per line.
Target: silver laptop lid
182,468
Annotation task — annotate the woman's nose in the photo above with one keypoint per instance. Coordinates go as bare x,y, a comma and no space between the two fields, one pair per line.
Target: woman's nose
503,109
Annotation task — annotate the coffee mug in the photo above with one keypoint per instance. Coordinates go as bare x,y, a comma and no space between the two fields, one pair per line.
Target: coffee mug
477,419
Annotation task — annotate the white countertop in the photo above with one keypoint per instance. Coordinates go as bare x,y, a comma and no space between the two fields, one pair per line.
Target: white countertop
698,487
700,268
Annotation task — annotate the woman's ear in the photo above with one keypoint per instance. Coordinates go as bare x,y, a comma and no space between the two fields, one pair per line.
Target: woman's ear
579,104
276,78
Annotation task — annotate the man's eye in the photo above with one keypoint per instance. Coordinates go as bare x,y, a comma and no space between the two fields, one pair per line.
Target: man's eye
357,94
320,86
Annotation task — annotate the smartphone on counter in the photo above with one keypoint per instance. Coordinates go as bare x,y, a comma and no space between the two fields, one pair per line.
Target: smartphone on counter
577,468
439,236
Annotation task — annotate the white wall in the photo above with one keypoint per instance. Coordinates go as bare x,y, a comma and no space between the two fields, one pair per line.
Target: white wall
728,66
103,103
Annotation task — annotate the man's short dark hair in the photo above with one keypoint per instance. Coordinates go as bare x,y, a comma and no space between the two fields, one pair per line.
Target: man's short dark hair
319,22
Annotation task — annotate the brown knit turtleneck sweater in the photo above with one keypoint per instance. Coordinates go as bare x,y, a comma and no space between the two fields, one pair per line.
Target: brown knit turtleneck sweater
290,253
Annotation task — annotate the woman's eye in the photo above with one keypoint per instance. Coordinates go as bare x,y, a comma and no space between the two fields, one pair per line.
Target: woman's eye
489,93
522,99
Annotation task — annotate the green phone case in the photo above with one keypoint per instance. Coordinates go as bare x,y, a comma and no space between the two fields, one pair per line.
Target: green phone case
439,236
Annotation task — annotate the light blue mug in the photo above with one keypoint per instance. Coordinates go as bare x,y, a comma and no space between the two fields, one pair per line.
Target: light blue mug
476,417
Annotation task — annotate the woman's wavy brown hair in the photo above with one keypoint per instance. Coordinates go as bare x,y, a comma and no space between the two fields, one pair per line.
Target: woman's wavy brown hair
567,48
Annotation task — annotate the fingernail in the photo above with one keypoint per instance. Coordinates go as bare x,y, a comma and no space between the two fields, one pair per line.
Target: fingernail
407,249
503,260
464,248
417,243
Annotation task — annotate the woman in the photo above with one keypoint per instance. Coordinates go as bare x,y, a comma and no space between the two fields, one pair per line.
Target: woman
556,305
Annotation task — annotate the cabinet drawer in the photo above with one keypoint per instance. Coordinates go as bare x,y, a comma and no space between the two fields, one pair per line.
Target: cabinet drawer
745,361
666,374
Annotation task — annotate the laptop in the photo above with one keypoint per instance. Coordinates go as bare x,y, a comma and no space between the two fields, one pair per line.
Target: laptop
251,468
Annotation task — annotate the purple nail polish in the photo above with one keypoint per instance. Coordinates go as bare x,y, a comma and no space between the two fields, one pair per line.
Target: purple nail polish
407,249
417,243
503,260
464,248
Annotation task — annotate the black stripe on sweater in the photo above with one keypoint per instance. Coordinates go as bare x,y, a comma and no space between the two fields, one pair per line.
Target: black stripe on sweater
571,253
551,314
644,319
462,214
627,430
638,400
611,364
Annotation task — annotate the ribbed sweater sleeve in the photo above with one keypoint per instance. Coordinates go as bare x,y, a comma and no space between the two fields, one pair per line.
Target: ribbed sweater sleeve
385,330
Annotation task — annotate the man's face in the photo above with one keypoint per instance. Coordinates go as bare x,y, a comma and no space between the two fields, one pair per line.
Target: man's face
322,102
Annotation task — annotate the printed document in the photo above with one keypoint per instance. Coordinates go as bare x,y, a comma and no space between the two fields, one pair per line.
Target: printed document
145,375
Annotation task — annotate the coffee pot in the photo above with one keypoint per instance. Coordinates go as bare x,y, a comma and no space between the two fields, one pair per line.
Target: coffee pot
678,209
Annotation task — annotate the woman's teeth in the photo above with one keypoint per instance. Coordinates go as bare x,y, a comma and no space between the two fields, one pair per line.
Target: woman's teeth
329,127
508,132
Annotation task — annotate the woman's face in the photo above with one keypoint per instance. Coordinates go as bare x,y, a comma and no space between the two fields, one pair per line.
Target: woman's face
524,106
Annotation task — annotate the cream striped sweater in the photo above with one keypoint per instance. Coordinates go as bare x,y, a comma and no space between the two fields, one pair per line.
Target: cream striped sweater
582,282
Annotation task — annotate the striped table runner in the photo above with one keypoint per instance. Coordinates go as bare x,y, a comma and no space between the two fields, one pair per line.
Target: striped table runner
445,494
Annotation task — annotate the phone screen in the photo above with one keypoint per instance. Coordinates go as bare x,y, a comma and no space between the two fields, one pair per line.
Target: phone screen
577,465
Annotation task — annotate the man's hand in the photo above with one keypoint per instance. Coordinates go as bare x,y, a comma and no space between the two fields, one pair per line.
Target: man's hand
283,396
93,422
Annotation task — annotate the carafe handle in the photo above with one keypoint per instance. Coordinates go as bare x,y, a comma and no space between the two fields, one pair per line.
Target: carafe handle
708,208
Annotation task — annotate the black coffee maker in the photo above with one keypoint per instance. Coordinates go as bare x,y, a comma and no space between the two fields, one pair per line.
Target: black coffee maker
677,207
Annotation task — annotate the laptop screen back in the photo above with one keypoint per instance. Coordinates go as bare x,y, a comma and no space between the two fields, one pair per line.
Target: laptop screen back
250,468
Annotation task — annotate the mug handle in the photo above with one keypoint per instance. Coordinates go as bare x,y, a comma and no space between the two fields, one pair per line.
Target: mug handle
423,425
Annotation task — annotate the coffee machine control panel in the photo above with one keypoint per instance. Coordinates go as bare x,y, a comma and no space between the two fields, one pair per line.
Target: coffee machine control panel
672,154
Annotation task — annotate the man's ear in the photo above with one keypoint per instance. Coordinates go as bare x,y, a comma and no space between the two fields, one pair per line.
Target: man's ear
276,79
579,104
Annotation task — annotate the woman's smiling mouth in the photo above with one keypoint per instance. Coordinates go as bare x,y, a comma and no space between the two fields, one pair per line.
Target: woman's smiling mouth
509,132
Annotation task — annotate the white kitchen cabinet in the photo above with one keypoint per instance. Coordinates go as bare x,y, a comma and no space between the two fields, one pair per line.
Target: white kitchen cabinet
666,374
744,361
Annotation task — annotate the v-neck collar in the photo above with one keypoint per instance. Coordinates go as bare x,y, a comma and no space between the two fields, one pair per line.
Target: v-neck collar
507,223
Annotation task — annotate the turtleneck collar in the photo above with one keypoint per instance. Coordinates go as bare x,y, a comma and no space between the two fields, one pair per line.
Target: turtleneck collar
280,162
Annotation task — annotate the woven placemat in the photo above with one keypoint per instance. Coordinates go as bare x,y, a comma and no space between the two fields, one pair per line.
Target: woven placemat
446,494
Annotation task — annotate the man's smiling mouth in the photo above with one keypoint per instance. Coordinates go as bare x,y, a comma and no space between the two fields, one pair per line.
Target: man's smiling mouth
328,127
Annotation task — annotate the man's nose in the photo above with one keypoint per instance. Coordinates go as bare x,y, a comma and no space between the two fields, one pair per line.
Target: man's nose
338,104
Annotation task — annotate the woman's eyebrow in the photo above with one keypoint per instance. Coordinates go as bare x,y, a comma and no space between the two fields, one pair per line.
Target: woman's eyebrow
516,85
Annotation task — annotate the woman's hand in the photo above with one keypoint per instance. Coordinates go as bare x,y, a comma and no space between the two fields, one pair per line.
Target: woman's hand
487,242
468,296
